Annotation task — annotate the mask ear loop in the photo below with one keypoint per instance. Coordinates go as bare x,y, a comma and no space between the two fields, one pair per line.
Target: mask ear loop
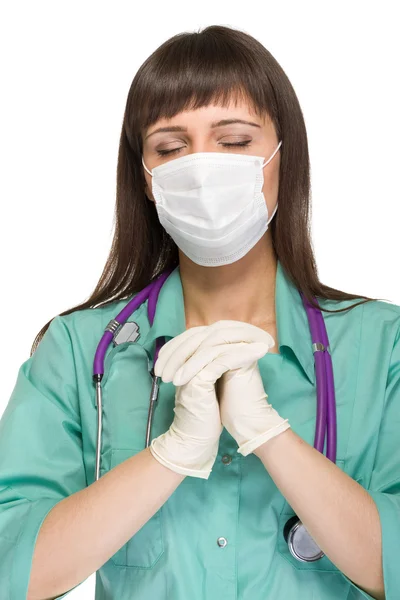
276,206
149,172
273,213
275,151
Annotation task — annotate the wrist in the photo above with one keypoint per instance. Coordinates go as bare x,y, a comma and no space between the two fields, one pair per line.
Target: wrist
181,454
260,440
263,450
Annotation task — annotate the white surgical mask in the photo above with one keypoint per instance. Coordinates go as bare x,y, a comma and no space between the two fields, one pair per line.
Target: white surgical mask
211,204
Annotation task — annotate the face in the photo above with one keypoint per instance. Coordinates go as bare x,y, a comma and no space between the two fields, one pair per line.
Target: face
197,134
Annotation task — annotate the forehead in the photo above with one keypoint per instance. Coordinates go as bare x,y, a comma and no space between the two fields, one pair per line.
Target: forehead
234,108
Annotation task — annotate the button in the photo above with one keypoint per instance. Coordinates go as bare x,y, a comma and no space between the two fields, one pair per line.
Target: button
222,542
227,459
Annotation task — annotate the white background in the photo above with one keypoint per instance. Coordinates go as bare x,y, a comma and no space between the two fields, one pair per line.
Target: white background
65,72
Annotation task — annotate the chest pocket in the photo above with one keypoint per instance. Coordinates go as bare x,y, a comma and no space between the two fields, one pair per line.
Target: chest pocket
146,547
126,397
322,564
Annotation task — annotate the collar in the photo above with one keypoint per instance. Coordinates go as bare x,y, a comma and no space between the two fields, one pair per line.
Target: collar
291,318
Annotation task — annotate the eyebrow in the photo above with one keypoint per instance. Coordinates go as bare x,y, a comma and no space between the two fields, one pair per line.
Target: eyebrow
214,124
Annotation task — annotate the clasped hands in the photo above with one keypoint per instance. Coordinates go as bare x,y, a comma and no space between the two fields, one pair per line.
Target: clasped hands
218,384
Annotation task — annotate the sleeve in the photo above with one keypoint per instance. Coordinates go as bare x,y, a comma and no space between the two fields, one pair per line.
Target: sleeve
384,485
41,459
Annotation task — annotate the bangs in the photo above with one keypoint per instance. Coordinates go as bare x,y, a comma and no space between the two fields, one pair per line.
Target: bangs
192,70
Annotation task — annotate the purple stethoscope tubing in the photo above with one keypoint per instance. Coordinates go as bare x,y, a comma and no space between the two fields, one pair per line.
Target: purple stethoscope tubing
151,293
326,411
325,426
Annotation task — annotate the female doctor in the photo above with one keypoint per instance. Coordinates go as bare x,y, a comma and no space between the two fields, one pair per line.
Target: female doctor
213,139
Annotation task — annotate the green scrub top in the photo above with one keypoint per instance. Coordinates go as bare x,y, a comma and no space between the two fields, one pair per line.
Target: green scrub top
48,444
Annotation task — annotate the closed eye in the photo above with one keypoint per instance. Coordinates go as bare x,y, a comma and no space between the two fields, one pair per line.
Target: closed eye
165,152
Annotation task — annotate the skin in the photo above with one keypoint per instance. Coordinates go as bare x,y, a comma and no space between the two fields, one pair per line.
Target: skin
235,291
339,514
333,507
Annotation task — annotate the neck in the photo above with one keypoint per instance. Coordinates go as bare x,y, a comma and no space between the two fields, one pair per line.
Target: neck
241,291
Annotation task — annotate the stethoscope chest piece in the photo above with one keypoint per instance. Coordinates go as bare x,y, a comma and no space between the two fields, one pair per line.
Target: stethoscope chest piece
300,543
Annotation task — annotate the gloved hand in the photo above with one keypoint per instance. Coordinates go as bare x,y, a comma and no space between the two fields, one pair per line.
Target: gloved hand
190,445
245,414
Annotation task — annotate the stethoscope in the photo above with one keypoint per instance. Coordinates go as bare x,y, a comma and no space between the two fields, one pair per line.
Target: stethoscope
118,330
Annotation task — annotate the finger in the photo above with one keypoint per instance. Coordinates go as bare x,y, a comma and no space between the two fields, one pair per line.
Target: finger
184,344
225,331
213,361
177,351
179,339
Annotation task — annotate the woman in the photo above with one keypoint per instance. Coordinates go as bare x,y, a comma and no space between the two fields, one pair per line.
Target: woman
213,139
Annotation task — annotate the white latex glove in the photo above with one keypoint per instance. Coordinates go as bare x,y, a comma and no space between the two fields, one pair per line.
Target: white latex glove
190,445
245,414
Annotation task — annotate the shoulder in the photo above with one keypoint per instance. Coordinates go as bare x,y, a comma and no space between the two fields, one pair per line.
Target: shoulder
375,321
381,322
84,328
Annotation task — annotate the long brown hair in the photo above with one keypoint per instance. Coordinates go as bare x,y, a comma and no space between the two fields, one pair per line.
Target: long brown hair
188,71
